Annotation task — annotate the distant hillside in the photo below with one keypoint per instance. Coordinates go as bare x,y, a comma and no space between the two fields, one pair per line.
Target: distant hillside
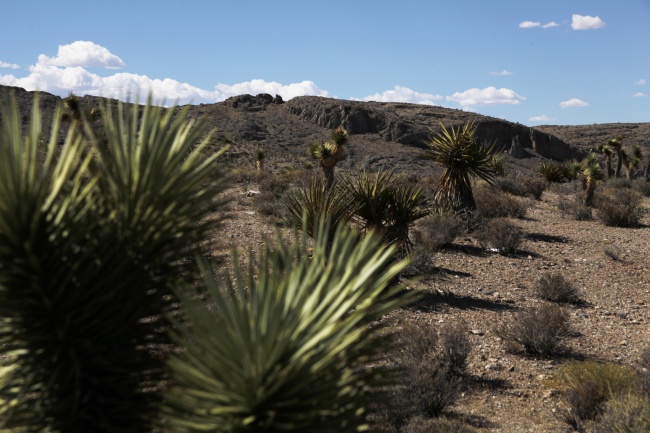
586,137
389,135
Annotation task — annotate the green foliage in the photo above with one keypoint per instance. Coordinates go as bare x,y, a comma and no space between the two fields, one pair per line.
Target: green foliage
551,171
289,346
625,414
317,199
463,158
329,153
588,385
385,204
91,239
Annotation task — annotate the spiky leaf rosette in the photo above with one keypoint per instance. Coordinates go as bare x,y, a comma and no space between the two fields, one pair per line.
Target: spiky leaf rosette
385,204
287,348
462,157
317,199
89,243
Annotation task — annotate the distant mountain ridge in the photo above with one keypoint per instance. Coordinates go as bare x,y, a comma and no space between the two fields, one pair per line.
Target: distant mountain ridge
388,135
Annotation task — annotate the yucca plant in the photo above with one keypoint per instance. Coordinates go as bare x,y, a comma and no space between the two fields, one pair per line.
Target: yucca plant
617,144
287,348
591,173
385,204
329,153
91,240
551,171
632,160
259,161
458,151
319,199
608,151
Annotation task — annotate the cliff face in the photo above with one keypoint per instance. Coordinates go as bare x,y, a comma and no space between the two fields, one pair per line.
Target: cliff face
413,125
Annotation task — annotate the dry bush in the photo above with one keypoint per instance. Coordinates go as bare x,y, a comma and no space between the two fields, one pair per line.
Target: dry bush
493,203
437,230
625,414
502,235
510,185
641,186
644,374
537,330
555,288
587,386
619,207
535,187
574,207
431,363
436,425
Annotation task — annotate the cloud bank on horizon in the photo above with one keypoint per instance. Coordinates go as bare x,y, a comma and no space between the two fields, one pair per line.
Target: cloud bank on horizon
68,71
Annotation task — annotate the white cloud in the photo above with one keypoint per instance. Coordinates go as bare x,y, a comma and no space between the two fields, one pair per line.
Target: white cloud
403,94
542,118
575,102
586,22
254,87
550,24
126,86
8,65
640,95
84,54
502,73
641,82
529,24
487,96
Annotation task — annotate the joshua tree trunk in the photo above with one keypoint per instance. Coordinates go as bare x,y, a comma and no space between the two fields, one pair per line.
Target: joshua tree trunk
608,166
619,162
589,192
260,166
328,171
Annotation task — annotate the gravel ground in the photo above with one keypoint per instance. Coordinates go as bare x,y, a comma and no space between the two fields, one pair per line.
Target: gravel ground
507,392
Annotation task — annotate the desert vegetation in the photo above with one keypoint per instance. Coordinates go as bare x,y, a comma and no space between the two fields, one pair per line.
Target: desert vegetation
369,300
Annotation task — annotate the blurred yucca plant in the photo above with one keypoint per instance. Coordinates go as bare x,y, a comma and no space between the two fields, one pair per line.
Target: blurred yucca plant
290,346
329,153
91,240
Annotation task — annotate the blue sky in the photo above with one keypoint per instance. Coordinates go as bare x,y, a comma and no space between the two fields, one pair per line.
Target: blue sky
529,61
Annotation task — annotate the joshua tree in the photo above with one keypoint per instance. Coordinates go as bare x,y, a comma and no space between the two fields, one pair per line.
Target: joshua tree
458,150
591,173
632,160
617,145
259,161
329,153
608,151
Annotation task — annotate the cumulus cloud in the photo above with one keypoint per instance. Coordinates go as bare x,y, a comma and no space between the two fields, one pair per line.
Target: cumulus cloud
640,95
502,73
254,87
84,54
550,24
575,102
8,65
487,96
641,82
126,86
542,118
529,24
403,94
586,22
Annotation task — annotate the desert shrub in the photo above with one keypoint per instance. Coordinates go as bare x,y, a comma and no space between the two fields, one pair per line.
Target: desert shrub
644,374
493,203
567,188
436,425
642,187
510,185
502,235
625,414
618,183
574,207
431,363
552,171
437,230
537,330
555,288
535,187
619,207
587,386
